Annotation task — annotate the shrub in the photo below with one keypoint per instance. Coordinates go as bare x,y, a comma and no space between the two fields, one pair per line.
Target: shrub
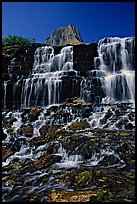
17,40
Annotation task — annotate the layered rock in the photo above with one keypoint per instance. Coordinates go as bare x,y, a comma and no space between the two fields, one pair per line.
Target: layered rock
17,63
42,75
83,57
64,36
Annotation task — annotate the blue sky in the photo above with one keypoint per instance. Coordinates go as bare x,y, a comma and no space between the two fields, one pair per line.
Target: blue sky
95,20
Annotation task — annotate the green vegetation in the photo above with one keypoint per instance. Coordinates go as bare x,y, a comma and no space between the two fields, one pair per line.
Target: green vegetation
85,178
17,40
102,196
111,197
98,174
60,46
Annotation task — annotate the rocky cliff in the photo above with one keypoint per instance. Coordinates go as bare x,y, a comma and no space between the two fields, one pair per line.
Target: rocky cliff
17,61
18,64
65,35
68,68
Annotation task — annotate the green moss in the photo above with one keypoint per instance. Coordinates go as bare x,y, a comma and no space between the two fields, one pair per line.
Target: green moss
10,47
35,109
85,178
110,197
9,51
124,134
100,196
59,46
98,174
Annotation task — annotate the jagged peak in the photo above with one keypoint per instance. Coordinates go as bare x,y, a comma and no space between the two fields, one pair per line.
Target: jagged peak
64,35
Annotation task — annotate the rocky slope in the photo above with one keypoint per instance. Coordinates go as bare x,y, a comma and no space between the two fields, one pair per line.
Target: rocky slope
51,155
64,35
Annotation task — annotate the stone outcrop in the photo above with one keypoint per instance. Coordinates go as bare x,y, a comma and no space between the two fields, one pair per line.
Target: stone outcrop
64,36
17,63
83,56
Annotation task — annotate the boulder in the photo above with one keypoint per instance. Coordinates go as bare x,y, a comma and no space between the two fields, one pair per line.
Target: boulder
79,125
34,113
26,130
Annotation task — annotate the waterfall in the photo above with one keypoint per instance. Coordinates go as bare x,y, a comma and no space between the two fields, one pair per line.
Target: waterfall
113,77
53,78
5,93
44,86
114,60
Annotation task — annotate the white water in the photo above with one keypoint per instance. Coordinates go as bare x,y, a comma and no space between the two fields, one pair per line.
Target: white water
98,157
68,161
114,58
112,78
5,93
44,86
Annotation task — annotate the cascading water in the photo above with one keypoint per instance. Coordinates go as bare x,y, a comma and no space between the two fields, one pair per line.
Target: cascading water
53,78
44,86
61,147
115,59
5,92
113,76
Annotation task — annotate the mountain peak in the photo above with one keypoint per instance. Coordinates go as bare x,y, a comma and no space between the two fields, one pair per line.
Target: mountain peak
65,35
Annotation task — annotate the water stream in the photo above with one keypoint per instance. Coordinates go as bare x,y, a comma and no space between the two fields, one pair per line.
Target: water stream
54,146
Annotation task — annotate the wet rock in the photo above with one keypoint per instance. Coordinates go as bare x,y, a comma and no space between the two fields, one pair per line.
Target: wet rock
85,178
44,130
79,125
26,130
86,151
52,129
76,196
129,126
56,158
34,113
86,111
107,116
46,160
6,153
10,130
120,123
27,110
109,160
8,121
127,153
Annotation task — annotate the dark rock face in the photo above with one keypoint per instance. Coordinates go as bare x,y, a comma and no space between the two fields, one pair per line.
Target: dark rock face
83,56
71,82
82,76
26,130
70,87
64,36
17,63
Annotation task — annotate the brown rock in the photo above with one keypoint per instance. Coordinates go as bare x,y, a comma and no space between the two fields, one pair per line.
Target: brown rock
34,113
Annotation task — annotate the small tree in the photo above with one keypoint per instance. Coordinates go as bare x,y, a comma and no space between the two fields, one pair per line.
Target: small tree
17,40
